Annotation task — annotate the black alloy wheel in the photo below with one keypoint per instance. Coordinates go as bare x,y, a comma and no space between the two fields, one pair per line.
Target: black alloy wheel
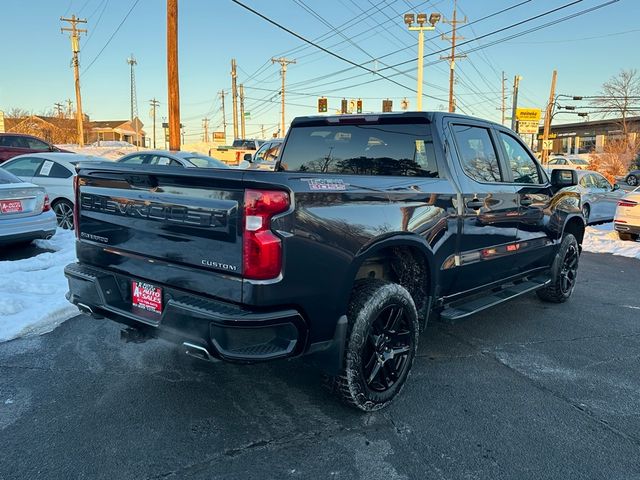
569,270
386,353
632,180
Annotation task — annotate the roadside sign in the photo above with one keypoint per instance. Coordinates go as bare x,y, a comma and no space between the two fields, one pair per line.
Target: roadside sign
527,126
530,114
218,136
551,136
547,144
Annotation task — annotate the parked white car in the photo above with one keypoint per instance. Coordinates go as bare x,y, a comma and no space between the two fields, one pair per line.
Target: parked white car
25,213
627,218
567,161
54,172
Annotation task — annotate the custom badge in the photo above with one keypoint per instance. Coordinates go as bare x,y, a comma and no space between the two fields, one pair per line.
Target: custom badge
326,184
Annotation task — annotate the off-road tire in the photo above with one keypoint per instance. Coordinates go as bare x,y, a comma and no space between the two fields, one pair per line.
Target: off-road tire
369,299
557,291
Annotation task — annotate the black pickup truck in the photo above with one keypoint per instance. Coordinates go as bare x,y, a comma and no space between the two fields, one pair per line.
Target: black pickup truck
370,226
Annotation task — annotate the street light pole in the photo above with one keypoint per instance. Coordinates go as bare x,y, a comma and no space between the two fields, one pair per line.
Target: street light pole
421,20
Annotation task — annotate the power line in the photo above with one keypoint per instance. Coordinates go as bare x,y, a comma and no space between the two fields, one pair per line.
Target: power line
110,38
340,57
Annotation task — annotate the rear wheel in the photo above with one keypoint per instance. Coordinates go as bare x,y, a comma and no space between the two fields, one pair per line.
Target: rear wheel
382,342
564,271
626,236
632,180
64,213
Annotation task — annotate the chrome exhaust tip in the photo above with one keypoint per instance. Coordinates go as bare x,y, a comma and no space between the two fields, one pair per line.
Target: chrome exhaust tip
85,308
196,351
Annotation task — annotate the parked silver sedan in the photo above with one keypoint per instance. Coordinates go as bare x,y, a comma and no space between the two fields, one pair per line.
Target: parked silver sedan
172,159
25,212
597,196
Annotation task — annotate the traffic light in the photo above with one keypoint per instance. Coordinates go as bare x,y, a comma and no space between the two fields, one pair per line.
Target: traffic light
322,105
387,105
359,106
344,106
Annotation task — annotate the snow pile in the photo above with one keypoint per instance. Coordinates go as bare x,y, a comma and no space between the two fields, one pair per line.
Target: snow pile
109,151
32,290
604,239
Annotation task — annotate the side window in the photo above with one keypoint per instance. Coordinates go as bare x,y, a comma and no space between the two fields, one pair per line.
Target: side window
162,160
477,153
23,167
51,169
259,155
135,159
35,144
602,182
522,166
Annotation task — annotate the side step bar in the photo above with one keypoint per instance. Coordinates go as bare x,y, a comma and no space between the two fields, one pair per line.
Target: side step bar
464,308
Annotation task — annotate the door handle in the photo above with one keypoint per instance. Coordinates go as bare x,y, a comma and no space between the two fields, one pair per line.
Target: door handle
475,203
525,202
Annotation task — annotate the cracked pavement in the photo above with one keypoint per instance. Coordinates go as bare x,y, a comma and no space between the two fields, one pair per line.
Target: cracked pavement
524,390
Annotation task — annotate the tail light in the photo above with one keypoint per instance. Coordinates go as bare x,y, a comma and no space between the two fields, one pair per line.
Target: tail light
46,206
262,249
76,205
627,203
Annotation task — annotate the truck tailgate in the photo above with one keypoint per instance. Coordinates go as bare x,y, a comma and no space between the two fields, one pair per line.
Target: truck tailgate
167,225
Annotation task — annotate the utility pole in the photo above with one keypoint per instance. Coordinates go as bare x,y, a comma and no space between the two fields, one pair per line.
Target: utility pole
283,72
131,61
205,126
452,56
242,131
154,104
69,103
234,97
57,107
547,117
172,75
516,86
262,130
421,19
503,107
224,117
75,48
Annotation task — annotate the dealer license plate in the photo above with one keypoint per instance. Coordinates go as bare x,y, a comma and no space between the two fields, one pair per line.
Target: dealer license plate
146,297
10,206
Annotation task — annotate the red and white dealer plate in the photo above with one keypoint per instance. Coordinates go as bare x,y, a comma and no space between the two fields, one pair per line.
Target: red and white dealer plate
146,297
10,206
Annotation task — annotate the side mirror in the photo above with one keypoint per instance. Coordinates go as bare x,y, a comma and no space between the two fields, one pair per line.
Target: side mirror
248,157
616,187
561,178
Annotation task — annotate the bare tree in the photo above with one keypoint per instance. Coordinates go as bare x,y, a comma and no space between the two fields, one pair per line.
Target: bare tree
17,112
619,95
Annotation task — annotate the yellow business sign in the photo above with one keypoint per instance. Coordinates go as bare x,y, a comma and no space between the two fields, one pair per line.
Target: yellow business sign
528,114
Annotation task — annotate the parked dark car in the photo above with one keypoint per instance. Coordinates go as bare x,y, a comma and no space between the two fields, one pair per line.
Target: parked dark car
14,144
175,159
368,227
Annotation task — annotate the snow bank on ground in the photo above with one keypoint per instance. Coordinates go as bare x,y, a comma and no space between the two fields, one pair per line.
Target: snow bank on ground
112,152
604,239
32,290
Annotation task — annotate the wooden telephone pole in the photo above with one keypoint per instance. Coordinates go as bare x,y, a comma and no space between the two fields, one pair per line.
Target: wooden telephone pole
172,75
154,104
234,97
75,48
283,72
242,131
224,117
205,127
452,56
503,107
547,117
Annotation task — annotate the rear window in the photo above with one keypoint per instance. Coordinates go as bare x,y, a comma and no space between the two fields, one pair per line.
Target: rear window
6,177
392,150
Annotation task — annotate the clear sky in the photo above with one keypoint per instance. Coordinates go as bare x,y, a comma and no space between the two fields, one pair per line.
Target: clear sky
586,50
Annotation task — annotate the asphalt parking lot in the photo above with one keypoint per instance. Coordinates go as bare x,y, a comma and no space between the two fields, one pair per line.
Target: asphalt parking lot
526,390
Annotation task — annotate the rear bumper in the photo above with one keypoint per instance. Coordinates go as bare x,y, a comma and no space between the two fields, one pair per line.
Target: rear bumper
625,227
27,228
223,330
